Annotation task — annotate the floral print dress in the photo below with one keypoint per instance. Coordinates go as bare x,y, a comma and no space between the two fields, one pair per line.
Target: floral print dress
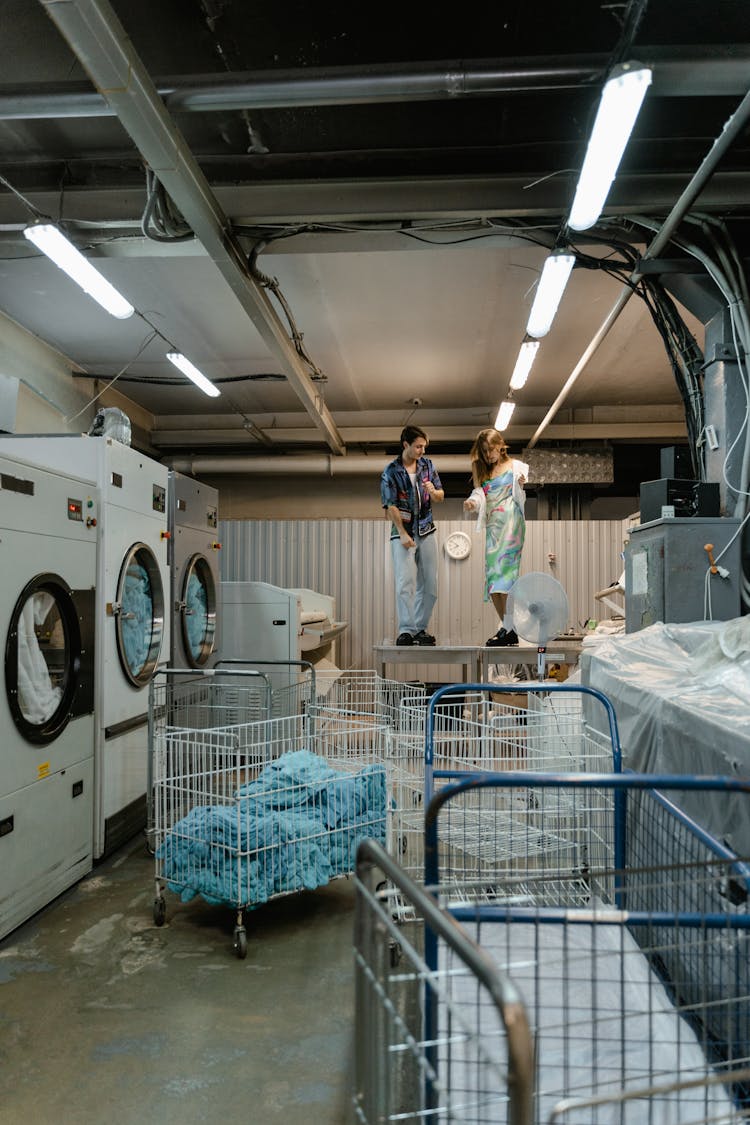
505,533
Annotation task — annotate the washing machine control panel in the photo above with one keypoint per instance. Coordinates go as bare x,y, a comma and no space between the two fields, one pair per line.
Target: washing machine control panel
159,499
75,511
212,517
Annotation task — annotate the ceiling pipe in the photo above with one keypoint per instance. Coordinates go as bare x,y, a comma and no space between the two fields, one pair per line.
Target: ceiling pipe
733,127
98,40
722,73
321,464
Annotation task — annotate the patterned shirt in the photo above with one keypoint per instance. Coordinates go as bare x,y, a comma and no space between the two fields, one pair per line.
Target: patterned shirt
396,491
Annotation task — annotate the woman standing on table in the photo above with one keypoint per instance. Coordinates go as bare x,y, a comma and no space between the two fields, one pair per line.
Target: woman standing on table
499,498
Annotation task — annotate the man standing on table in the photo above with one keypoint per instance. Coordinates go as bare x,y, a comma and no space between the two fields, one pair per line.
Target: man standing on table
408,486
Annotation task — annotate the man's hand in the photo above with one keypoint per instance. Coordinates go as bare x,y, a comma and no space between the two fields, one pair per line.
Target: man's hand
470,505
406,540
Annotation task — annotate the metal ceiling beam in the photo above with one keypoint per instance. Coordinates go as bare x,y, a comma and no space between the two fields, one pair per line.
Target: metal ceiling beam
718,70
371,464
375,200
284,437
99,41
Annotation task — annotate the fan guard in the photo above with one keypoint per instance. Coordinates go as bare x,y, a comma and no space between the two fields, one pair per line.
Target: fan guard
539,607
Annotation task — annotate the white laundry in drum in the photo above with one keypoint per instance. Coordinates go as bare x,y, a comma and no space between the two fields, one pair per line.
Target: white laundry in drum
38,696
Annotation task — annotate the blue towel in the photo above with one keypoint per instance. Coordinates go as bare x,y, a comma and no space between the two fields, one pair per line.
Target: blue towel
295,827
196,620
137,617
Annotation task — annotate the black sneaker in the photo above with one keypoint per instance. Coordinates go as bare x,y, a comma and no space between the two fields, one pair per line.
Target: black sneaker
404,639
502,639
510,638
422,638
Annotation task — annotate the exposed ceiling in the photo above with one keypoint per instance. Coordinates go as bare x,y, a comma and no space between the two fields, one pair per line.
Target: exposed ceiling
400,175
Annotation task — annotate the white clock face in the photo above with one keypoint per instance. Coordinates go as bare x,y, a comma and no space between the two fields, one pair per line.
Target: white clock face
458,545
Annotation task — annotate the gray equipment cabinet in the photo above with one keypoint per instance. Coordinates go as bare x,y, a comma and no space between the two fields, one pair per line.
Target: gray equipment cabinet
667,572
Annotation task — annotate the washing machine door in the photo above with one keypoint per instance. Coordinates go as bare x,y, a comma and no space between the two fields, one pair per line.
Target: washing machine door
139,614
197,610
49,657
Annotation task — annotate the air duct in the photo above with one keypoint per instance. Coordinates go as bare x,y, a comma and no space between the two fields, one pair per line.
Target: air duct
319,464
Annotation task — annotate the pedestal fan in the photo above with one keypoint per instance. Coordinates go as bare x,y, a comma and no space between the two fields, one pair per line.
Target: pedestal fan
539,607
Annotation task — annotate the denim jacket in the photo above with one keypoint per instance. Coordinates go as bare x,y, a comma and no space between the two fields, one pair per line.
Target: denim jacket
396,491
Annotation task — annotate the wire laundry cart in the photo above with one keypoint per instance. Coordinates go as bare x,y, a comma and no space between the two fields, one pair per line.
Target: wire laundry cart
467,729
396,1078
625,927
199,700
291,683
364,692
247,809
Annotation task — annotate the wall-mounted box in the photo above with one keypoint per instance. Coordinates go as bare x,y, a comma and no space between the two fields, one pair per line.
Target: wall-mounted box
666,568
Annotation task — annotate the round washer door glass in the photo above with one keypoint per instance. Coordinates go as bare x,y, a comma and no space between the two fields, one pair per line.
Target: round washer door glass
42,658
139,614
198,611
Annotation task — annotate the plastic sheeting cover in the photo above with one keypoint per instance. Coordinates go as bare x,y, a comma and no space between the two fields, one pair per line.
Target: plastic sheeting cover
38,698
137,617
595,1034
681,694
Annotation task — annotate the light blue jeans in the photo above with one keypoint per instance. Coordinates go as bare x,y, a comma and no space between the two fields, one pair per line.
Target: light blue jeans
415,571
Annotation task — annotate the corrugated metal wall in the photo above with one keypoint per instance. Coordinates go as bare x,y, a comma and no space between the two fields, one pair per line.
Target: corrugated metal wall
350,559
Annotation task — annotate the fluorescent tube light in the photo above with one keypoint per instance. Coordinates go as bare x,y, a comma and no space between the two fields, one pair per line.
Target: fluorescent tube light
192,372
504,415
550,289
620,103
52,242
526,357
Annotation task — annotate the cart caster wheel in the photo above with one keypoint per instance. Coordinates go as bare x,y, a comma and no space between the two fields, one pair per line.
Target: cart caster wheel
240,943
160,911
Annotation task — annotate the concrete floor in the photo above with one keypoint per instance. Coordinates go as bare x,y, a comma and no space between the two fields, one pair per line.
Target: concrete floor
105,1017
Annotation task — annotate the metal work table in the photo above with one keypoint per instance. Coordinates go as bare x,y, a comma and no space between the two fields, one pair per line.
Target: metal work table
475,659
466,655
556,652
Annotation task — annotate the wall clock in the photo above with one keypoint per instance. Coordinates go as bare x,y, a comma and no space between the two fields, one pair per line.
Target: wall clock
458,545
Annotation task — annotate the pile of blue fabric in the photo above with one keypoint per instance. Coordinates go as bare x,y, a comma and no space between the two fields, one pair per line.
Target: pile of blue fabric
295,827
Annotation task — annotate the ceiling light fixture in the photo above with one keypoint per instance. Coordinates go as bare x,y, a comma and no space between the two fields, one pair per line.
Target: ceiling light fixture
192,372
549,291
526,357
504,415
51,241
620,103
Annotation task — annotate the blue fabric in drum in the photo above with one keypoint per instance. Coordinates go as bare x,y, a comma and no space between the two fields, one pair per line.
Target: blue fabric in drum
137,617
295,827
197,618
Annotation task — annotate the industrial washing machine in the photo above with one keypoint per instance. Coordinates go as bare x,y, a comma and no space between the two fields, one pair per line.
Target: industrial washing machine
48,533
132,627
193,555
